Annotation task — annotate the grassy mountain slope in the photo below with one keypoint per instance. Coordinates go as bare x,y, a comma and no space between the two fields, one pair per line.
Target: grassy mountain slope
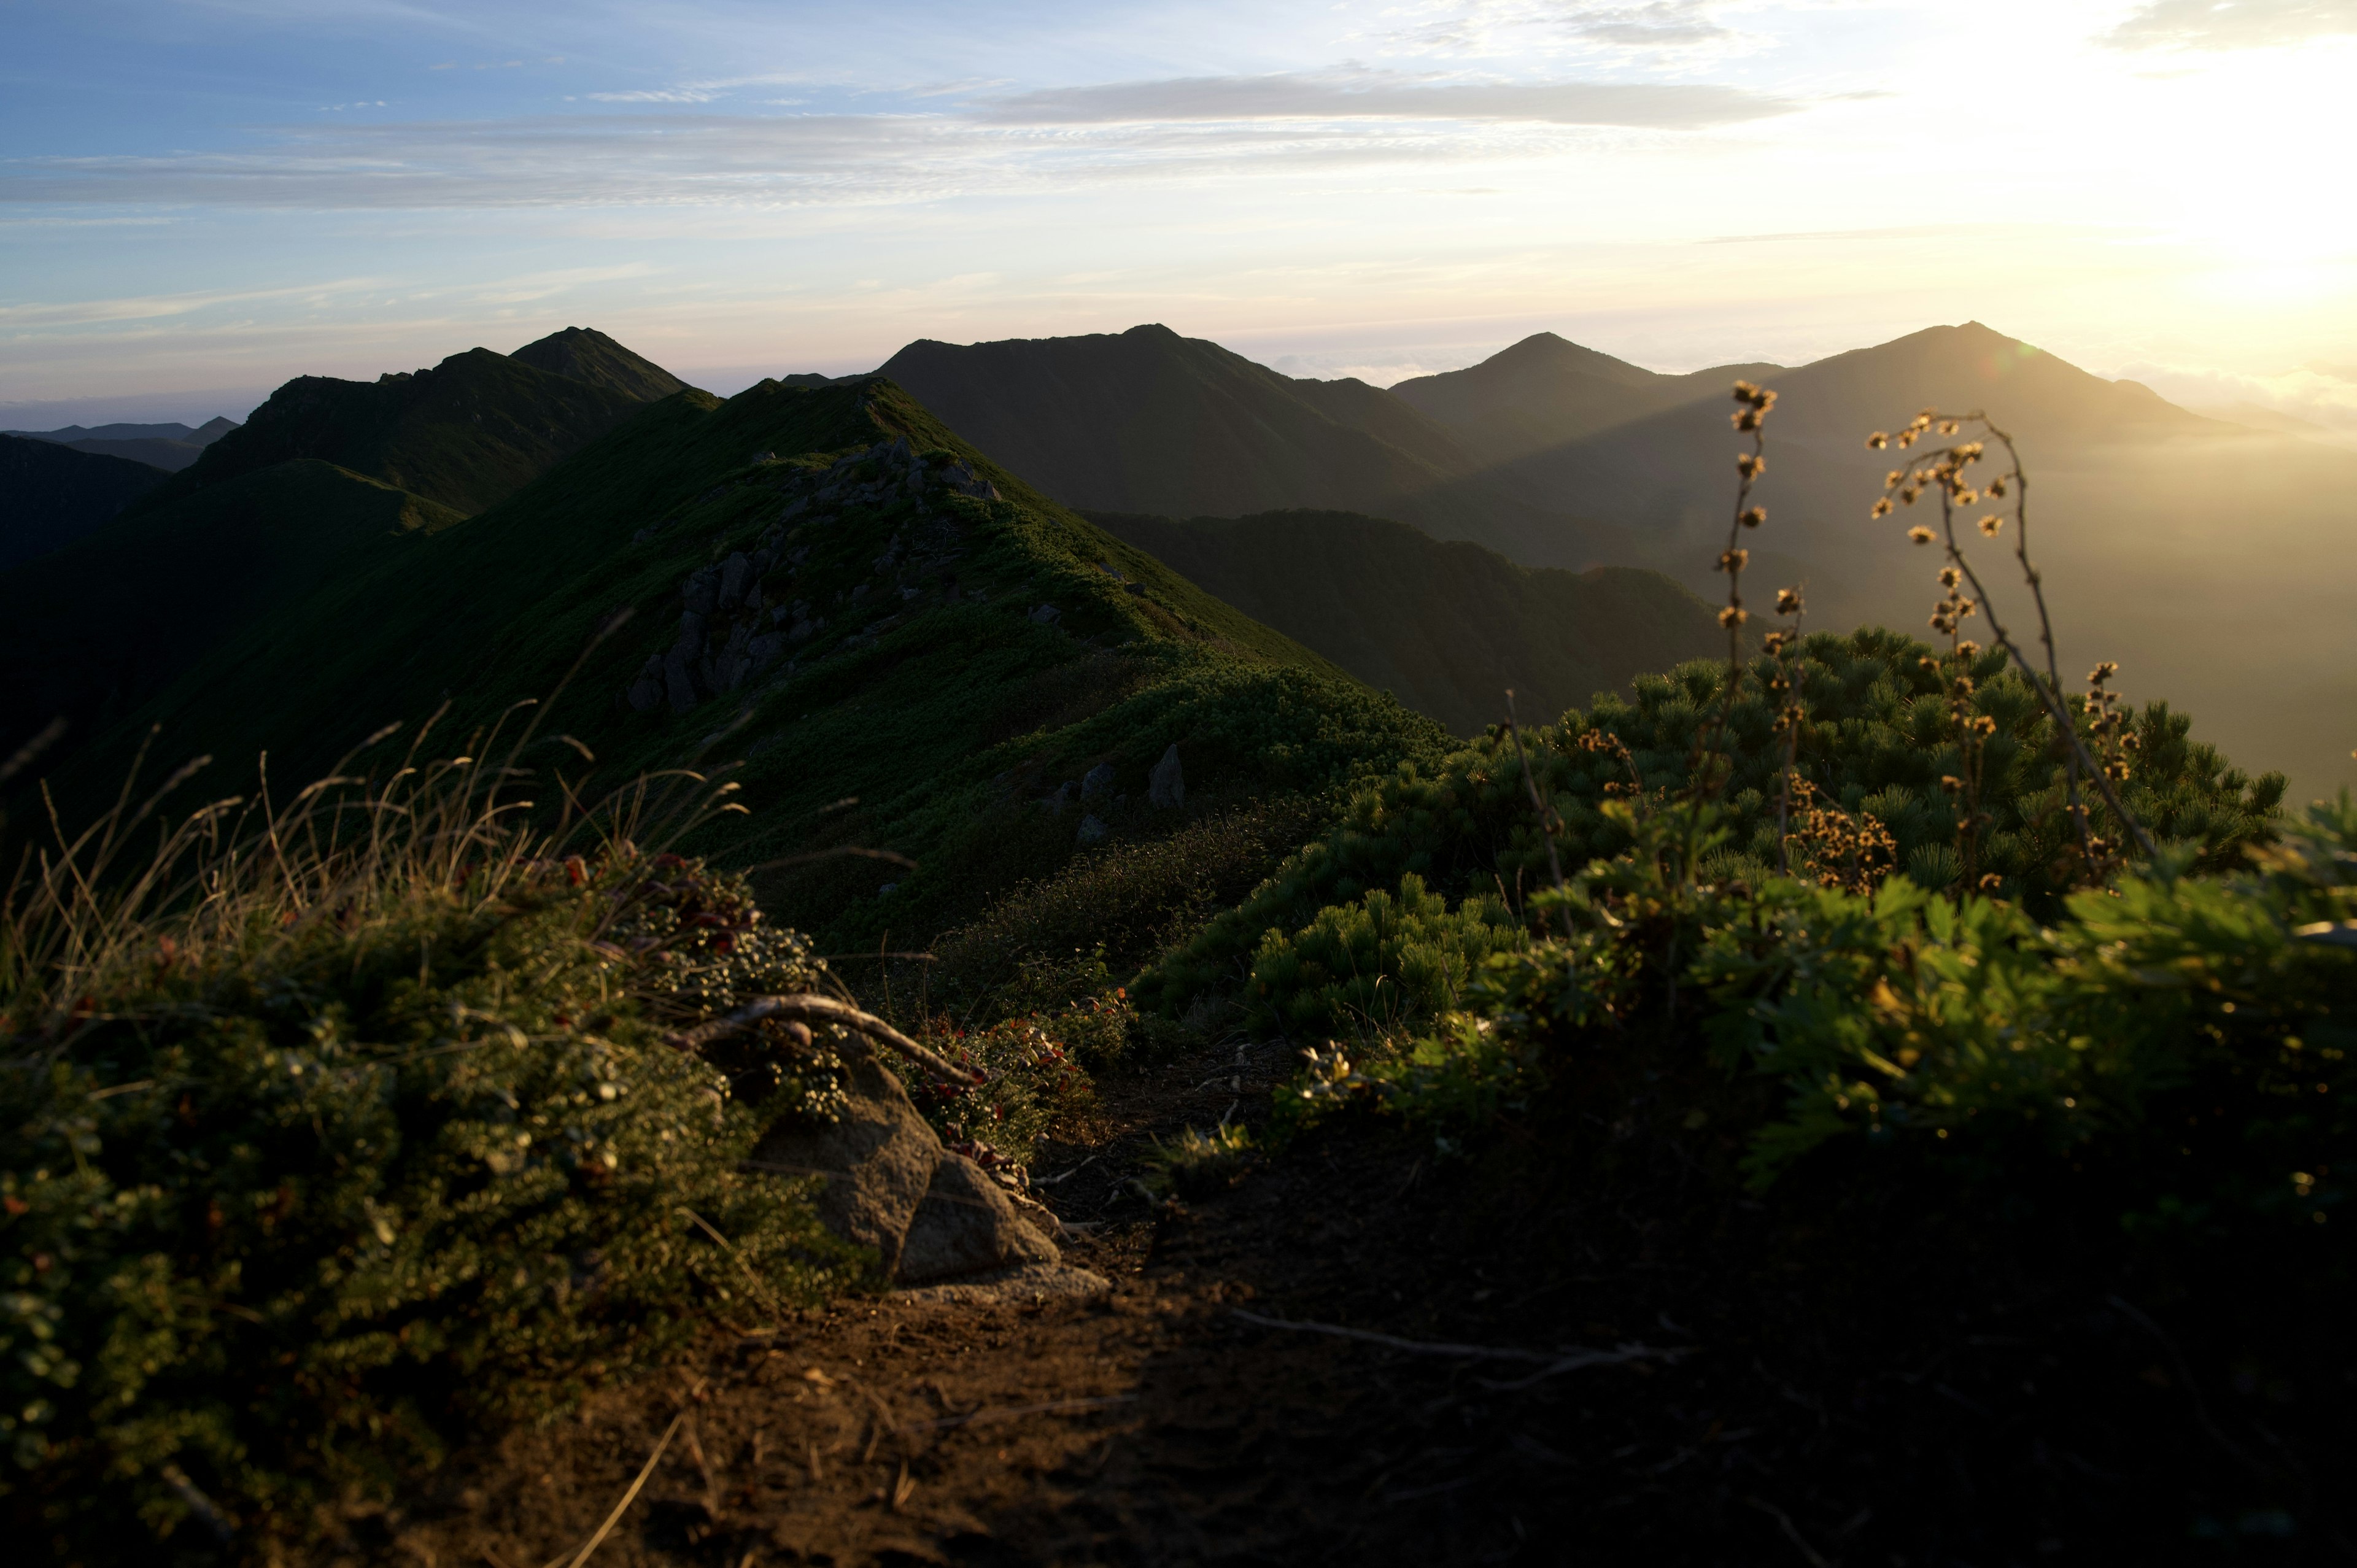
1148,421
51,494
587,355
1447,627
464,433
91,630
889,636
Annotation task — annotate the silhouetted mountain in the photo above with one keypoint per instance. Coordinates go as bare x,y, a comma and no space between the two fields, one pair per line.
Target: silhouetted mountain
271,509
1545,390
1148,421
1447,627
52,494
170,447
590,356
473,429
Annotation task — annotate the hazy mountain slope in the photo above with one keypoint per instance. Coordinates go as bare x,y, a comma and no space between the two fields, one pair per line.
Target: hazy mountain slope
91,630
1445,626
1148,421
169,455
587,355
51,494
1545,390
1668,473
918,683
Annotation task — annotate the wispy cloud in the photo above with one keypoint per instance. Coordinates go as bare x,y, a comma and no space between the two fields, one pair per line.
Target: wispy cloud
1491,26
1382,95
2232,24
1192,130
659,95
152,307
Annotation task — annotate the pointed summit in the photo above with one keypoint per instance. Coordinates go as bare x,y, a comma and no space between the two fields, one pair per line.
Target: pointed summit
585,354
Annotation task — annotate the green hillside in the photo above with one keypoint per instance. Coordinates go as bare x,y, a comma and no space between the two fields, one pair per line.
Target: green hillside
51,494
853,601
90,632
1445,626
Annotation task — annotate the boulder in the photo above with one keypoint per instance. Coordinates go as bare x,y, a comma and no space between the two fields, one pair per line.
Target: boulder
1047,615
1096,781
1093,831
966,1225
877,1157
930,1215
1166,785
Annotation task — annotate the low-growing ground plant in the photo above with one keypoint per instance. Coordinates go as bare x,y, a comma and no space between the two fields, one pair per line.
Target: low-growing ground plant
1194,1165
332,1132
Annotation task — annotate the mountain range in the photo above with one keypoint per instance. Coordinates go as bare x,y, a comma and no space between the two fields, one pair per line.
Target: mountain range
359,551
170,447
275,509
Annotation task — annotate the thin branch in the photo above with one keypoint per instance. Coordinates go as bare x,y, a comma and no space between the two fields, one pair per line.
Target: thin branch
809,1009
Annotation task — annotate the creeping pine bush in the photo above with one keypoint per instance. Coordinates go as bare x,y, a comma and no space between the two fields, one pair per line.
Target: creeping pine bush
1377,963
328,1151
2180,1040
1879,739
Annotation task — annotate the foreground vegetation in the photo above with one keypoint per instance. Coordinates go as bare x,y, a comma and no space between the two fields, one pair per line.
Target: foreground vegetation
329,1136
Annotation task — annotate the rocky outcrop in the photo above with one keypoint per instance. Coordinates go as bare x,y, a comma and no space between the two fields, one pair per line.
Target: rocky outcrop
930,1215
739,616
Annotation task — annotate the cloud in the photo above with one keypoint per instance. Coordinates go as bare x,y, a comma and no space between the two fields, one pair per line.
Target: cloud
1499,26
1208,129
1375,95
2231,23
659,95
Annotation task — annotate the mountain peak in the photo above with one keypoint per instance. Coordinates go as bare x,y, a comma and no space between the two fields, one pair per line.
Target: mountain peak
585,354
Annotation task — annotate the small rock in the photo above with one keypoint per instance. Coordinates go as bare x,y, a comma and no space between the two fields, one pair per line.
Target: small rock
1168,783
1047,615
1096,781
966,1225
1091,831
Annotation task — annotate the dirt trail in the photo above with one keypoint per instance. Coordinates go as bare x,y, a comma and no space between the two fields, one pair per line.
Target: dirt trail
1741,1422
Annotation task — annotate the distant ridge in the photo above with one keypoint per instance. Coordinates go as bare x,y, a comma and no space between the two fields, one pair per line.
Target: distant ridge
1148,421
274,509
1545,390
170,447
1447,627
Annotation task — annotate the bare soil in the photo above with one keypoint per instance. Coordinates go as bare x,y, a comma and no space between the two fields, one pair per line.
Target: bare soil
1784,1391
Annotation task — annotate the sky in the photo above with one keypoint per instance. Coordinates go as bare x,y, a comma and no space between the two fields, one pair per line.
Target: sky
200,199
